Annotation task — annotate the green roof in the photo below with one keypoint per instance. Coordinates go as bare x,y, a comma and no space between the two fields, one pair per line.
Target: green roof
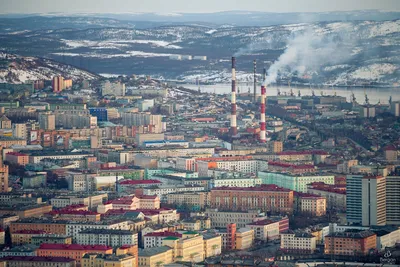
171,238
190,233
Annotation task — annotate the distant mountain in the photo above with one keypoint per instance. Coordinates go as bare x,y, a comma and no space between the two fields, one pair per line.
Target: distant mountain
17,69
339,53
235,18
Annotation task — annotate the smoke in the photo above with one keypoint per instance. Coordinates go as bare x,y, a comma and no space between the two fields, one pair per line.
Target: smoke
308,52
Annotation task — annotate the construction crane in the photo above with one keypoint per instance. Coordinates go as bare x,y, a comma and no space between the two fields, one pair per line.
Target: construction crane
298,93
353,98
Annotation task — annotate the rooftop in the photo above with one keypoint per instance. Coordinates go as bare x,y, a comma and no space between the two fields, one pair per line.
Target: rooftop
139,182
352,234
74,247
148,252
262,222
165,233
263,188
107,231
37,259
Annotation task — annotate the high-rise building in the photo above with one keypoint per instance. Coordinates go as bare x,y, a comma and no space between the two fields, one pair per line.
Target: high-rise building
47,121
3,174
58,84
115,89
139,119
374,200
395,108
393,200
19,130
366,200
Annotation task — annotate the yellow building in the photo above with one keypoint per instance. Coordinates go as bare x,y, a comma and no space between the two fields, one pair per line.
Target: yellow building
155,257
212,245
244,238
108,260
190,248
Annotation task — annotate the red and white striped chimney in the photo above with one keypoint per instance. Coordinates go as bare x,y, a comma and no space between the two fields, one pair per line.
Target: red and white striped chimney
233,99
263,136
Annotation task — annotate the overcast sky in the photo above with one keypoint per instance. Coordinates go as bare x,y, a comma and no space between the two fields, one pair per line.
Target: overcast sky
196,6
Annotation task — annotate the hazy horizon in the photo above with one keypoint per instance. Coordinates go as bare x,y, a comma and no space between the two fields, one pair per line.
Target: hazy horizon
181,6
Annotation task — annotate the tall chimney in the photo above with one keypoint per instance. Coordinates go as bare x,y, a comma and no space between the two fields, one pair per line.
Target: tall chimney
263,137
233,99
255,81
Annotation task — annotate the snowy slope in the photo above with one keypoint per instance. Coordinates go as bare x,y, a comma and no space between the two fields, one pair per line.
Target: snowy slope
16,69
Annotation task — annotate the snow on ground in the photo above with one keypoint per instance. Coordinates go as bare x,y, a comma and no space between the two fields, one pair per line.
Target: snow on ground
110,44
385,28
374,71
110,75
127,54
332,68
211,31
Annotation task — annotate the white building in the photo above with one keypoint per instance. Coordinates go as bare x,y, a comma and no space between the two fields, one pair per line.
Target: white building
236,182
36,158
73,229
219,219
155,239
245,166
108,237
265,229
298,241
163,190
115,89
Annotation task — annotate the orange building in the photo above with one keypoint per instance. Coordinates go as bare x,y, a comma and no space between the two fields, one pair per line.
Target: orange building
264,197
73,251
58,84
17,158
129,250
24,211
24,236
48,227
350,243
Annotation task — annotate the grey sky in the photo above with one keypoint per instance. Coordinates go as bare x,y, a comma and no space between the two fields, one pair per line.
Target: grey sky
197,6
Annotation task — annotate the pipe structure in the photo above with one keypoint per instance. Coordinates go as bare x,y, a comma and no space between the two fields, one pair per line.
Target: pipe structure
263,135
233,130
255,81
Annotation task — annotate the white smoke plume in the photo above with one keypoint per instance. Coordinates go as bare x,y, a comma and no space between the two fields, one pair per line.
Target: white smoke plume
308,52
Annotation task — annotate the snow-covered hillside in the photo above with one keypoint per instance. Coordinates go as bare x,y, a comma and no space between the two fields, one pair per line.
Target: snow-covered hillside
17,69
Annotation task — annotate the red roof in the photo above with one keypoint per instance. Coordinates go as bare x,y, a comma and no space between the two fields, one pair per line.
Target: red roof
263,222
164,234
264,187
390,148
147,197
74,247
122,200
74,206
139,182
72,212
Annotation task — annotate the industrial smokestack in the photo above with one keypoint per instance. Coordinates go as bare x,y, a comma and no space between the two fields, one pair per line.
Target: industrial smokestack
255,81
264,75
233,99
263,135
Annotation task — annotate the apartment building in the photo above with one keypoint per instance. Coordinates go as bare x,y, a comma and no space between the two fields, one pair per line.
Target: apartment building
193,199
190,248
393,200
37,261
91,201
155,239
265,230
17,158
295,182
244,238
366,200
335,195
73,229
109,237
73,251
245,164
106,260
26,211
264,197
149,202
162,191
309,204
152,257
51,239
350,243
47,226
24,236
300,242
219,218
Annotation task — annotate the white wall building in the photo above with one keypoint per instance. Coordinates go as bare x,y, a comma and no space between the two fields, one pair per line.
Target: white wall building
108,237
